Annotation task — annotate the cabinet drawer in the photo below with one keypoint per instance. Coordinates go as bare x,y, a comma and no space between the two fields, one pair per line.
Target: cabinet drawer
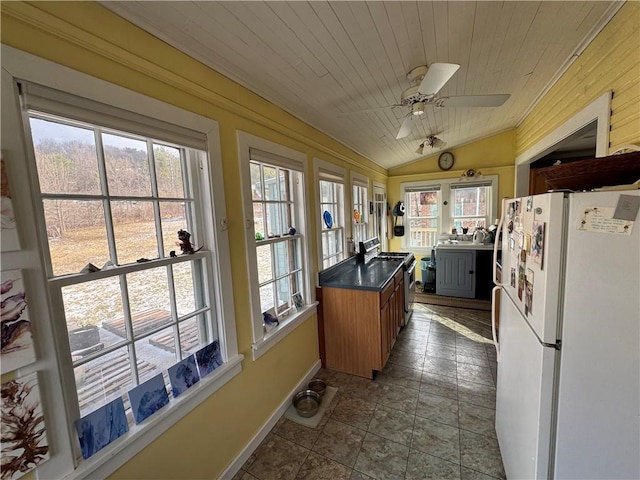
386,292
399,277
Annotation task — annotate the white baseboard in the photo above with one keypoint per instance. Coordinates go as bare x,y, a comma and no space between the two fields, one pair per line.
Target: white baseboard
246,452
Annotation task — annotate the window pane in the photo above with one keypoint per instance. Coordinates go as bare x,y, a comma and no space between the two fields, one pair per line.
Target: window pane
265,271
103,379
283,288
325,192
192,335
76,234
65,157
285,194
282,258
422,204
287,221
256,182
168,171
94,313
148,299
423,232
173,217
134,230
183,286
127,166
258,219
155,354
266,297
334,242
470,201
270,184
273,220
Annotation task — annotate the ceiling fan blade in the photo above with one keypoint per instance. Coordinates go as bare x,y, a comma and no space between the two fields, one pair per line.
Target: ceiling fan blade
406,127
437,75
475,100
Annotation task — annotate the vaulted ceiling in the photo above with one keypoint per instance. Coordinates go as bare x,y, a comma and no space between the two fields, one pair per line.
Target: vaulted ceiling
335,64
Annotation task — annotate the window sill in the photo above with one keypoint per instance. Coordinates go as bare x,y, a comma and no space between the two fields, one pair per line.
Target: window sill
273,337
114,456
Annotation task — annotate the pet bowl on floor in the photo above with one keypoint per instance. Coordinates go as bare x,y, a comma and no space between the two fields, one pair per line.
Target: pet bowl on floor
318,385
307,403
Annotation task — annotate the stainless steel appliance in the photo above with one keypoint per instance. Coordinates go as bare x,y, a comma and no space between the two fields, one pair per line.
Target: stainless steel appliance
368,250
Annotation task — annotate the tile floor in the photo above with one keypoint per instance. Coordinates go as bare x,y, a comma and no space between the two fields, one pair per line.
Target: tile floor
428,415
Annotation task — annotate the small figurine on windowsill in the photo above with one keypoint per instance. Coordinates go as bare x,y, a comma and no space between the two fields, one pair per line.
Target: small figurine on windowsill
185,243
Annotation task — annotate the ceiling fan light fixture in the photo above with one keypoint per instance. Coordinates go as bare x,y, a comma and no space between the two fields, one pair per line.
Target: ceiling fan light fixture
418,108
431,141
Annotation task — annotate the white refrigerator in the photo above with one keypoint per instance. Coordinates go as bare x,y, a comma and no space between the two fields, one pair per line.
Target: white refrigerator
568,343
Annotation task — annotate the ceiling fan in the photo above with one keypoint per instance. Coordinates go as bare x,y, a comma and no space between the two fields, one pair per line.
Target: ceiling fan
425,83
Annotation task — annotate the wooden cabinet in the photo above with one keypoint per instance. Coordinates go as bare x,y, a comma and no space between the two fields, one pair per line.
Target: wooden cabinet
360,326
455,275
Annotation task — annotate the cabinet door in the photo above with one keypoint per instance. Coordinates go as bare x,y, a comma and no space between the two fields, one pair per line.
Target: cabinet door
385,333
399,309
455,273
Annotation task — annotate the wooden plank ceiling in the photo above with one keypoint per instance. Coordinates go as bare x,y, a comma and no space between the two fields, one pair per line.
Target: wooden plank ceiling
324,62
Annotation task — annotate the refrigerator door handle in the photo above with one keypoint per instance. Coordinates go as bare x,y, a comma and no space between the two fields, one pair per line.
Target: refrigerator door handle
495,250
493,321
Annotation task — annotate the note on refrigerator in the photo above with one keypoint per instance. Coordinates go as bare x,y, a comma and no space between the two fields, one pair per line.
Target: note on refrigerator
601,219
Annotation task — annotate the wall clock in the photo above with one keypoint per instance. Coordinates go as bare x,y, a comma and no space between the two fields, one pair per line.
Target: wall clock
445,161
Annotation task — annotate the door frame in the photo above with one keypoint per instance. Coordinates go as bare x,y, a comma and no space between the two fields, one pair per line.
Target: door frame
599,110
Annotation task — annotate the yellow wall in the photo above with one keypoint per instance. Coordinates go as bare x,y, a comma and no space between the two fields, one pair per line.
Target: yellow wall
491,156
610,62
88,38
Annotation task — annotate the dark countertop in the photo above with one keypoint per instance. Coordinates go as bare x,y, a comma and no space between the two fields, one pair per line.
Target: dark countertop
351,274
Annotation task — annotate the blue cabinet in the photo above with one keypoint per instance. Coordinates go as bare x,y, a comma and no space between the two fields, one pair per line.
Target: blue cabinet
456,273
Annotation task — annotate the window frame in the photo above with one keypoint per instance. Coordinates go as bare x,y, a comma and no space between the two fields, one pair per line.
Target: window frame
454,217
361,181
287,158
325,171
445,216
55,371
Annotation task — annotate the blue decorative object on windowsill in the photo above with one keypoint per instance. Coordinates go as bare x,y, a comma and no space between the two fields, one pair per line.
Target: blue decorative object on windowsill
328,219
270,320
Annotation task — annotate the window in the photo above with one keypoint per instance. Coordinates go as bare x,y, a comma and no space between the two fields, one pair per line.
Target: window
278,248
379,216
110,198
331,200
421,216
360,209
469,206
274,200
434,207
101,158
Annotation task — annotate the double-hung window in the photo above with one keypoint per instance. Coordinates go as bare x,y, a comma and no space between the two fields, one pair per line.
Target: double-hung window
421,215
438,206
130,296
360,200
275,207
113,202
470,206
331,181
